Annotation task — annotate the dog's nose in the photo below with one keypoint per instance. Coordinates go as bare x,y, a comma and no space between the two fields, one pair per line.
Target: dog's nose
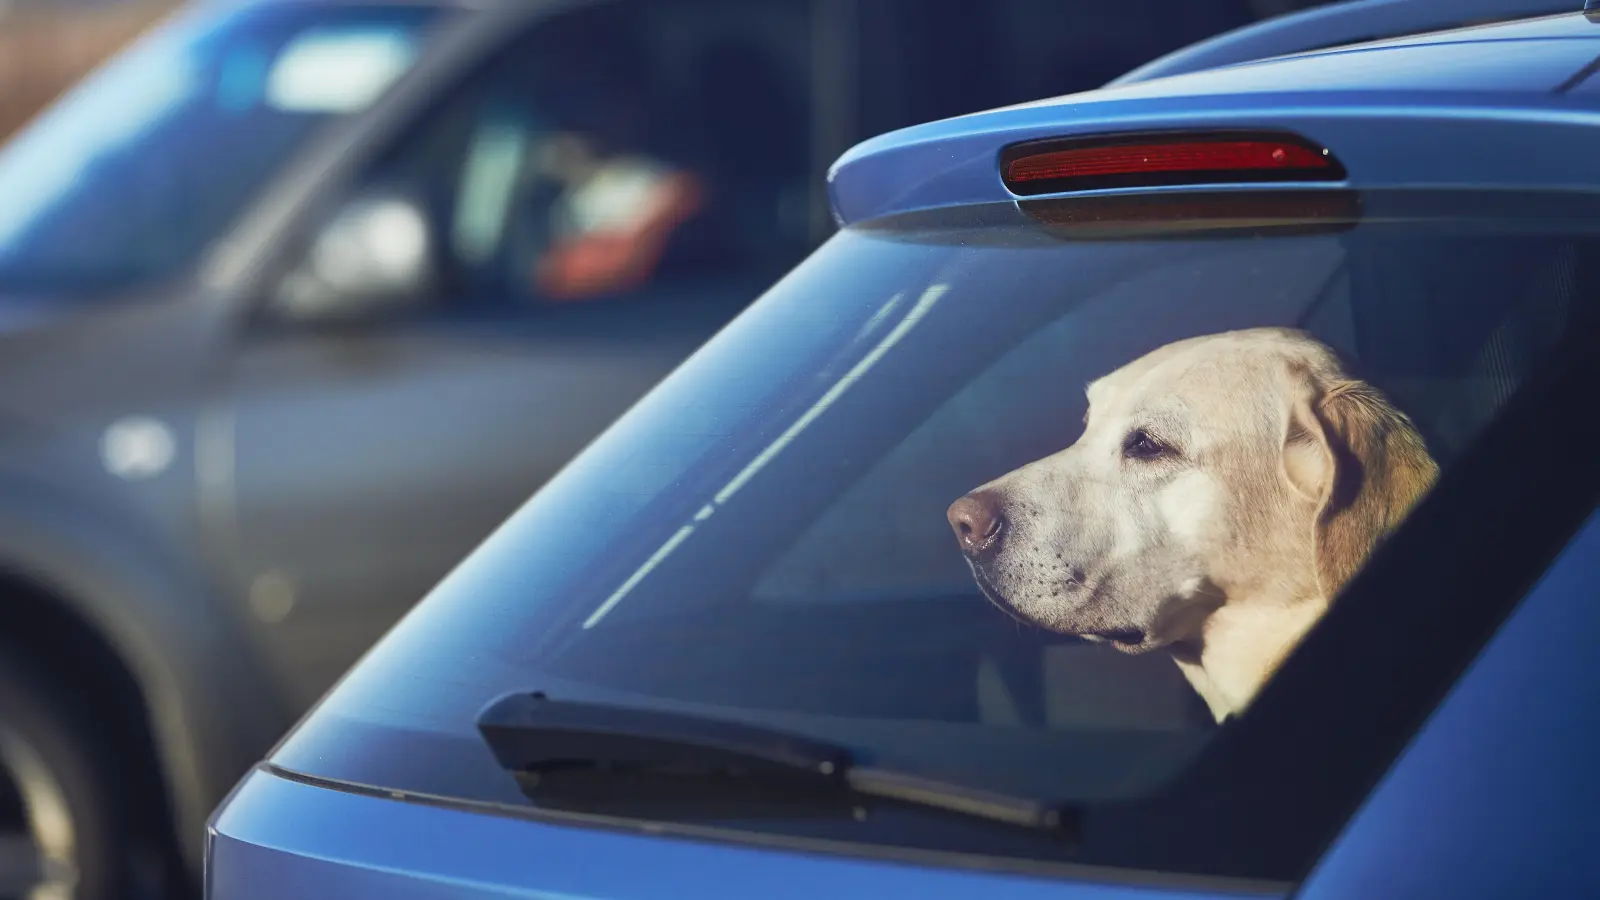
979,523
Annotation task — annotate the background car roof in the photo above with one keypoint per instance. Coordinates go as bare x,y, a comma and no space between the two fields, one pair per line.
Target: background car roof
1456,107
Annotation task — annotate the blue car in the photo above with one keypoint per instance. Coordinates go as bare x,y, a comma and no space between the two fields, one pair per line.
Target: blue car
1186,489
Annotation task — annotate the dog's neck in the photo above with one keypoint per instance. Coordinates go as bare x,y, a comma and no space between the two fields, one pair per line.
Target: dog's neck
1240,646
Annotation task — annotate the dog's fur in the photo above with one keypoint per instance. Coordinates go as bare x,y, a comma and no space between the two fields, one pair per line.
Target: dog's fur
1264,478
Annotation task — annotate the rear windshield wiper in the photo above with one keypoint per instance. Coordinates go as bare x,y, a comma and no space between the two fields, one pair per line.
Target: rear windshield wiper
629,761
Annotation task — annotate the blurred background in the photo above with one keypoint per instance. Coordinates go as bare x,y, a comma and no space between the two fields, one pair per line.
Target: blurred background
300,298
46,45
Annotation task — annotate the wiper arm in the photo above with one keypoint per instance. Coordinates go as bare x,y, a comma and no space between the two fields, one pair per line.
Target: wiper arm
591,755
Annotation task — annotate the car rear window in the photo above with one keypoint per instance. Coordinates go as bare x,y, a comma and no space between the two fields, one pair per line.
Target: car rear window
770,538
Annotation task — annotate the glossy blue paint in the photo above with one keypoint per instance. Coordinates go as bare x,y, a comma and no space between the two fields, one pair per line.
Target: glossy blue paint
1437,112
280,838
1499,795
1336,23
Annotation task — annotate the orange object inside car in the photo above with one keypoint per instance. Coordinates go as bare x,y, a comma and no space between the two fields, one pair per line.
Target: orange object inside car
602,261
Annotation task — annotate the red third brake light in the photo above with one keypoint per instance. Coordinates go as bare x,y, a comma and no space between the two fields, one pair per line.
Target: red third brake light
1055,167
1213,156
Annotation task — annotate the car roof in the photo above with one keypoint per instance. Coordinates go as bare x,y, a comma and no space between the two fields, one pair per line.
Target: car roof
1333,24
1508,105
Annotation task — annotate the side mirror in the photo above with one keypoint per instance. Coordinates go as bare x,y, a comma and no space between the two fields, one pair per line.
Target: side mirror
375,256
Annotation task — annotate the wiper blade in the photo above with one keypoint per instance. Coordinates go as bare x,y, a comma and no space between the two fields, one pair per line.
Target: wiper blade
601,757
920,791
535,734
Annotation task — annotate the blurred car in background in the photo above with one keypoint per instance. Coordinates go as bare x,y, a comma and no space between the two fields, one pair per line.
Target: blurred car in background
732,650
300,299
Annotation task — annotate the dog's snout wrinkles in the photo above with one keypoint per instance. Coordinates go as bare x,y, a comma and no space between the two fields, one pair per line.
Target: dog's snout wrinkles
979,524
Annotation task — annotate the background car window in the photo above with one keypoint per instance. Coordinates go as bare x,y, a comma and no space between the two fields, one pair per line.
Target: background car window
131,176
619,151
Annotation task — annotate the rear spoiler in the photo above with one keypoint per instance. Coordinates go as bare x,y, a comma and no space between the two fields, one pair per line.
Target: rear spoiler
1337,24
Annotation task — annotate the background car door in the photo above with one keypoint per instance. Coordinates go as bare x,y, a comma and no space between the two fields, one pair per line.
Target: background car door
598,201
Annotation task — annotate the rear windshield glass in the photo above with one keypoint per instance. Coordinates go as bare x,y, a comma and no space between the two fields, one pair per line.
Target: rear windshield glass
988,501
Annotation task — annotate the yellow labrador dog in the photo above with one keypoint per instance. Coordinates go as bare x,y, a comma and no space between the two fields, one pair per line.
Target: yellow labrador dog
1224,489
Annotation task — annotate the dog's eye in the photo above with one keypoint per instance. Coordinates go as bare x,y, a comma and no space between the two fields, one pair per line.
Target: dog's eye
1140,445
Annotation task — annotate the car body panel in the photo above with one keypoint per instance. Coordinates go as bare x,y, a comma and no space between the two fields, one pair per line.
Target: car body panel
1497,795
955,161
128,555
1339,23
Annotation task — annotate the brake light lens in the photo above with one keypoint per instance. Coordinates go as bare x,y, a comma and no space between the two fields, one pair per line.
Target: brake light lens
1220,156
1058,167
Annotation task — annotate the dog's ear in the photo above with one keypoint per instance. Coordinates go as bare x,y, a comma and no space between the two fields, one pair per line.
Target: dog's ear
1362,463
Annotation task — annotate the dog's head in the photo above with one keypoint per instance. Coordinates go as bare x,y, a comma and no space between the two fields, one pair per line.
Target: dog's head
1243,467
